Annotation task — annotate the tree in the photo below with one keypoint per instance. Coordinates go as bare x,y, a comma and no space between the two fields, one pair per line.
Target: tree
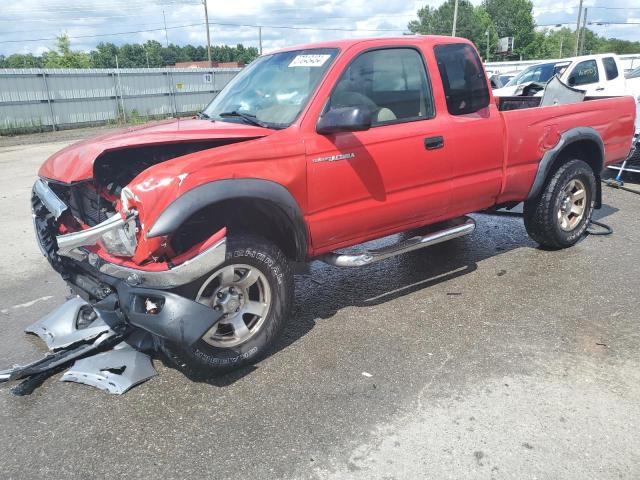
513,18
153,50
18,60
64,57
619,46
473,23
104,56
132,56
191,53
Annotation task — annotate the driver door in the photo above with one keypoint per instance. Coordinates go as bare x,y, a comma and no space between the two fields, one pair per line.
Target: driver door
371,183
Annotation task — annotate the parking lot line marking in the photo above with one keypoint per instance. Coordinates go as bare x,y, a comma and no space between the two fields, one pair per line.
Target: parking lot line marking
27,304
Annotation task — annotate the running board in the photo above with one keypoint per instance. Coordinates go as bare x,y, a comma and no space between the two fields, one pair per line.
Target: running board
413,243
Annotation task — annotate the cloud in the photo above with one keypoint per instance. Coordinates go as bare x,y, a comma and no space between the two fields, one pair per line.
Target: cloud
601,20
82,19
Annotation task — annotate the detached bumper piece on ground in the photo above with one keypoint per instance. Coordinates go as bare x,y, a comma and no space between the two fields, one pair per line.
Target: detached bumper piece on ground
106,354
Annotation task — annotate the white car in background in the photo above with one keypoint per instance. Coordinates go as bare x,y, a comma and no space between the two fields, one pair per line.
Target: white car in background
599,75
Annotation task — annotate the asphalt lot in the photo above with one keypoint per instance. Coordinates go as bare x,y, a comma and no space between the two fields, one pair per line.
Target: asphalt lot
485,358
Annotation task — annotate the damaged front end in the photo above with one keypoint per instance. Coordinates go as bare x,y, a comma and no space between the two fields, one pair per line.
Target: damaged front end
93,239
99,261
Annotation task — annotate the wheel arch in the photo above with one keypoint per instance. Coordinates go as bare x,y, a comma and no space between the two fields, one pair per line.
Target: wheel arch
583,143
256,206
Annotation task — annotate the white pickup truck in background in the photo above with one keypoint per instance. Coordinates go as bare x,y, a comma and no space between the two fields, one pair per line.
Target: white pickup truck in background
599,75
632,80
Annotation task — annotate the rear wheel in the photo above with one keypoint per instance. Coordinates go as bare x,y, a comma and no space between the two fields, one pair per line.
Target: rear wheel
560,214
253,289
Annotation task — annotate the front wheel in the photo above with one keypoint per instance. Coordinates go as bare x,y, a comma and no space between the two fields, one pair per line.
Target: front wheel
559,216
253,289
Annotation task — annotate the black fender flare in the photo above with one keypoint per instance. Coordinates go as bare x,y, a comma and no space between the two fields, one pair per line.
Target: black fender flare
216,191
550,156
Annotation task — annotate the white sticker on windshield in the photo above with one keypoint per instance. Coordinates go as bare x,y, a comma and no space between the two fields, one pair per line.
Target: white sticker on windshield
309,60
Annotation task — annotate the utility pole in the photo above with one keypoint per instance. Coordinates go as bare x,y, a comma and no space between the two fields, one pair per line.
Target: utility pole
487,57
584,31
124,112
455,18
172,95
166,36
578,28
206,20
260,38
561,39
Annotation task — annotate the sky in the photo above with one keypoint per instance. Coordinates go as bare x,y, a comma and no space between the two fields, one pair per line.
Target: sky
29,26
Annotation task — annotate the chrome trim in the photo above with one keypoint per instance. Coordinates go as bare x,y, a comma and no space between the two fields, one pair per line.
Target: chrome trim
49,198
83,238
414,243
182,274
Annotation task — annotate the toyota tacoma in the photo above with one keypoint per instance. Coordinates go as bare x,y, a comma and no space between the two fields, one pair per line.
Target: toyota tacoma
190,228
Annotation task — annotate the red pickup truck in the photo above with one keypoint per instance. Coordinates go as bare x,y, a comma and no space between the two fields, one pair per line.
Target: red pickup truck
189,228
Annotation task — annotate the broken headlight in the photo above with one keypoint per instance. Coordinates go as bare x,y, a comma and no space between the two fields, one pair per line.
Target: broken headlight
121,241
126,196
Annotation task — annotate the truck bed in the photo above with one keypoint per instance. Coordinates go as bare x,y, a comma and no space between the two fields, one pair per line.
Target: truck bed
531,130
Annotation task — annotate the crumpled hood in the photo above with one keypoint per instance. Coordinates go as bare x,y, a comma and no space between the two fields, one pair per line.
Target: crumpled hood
75,162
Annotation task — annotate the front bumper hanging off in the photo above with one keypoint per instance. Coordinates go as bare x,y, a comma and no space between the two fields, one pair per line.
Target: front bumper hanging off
115,305
103,349
173,316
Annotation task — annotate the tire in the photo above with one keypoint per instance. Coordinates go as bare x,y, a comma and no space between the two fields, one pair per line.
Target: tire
549,217
222,352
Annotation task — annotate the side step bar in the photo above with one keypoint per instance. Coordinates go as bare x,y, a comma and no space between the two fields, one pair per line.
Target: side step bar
413,243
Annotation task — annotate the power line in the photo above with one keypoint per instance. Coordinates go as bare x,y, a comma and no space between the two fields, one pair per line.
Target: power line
594,22
94,7
57,28
103,34
562,9
285,27
617,8
101,17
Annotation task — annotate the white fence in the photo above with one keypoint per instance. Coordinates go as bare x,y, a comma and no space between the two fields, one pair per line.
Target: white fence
62,98
629,62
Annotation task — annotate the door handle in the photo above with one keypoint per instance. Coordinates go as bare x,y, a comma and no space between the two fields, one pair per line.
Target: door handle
432,143
599,89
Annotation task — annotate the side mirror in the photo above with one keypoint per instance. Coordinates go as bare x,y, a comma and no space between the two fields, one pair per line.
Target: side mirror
572,81
345,119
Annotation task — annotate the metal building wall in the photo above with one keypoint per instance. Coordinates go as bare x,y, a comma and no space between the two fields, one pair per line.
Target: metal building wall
63,98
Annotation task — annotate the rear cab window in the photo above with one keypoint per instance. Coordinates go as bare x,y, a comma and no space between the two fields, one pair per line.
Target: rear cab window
463,78
610,68
392,82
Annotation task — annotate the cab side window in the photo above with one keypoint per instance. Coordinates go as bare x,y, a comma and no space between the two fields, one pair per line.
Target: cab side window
463,78
391,82
584,73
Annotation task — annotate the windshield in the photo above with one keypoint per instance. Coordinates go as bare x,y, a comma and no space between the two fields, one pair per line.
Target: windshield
273,90
538,73
505,78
